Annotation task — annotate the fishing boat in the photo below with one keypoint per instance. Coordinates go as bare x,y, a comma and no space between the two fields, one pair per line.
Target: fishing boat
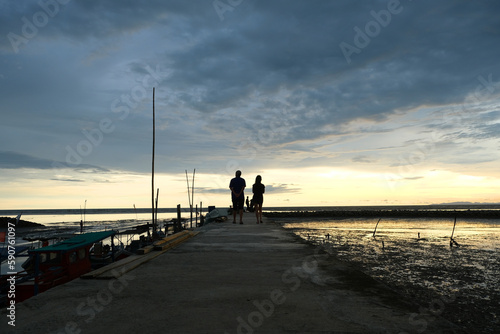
17,251
102,254
44,240
55,264
216,215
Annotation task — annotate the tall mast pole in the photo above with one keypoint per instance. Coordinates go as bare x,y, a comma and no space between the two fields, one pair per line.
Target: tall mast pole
153,170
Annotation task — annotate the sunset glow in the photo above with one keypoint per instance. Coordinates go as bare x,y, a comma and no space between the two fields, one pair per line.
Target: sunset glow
326,111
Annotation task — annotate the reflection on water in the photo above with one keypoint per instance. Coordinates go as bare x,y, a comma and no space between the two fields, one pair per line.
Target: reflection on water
414,256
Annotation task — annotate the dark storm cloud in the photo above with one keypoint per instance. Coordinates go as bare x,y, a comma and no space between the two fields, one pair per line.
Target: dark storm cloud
13,160
430,53
272,72
82,20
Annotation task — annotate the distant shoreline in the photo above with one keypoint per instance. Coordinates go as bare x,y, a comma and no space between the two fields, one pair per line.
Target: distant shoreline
330,208
22,223
389,213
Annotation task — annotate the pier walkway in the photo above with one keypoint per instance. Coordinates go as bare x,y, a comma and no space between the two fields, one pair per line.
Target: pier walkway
229,278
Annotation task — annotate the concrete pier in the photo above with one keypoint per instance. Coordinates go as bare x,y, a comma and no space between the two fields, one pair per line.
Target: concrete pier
229,278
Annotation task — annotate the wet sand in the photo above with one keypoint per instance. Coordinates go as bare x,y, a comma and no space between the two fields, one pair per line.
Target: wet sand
414,257
230,278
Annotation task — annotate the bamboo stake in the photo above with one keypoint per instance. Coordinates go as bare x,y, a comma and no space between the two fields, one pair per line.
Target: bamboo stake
192,188
201,214
187,181
192,197
453,231
156,211
452,241
84,213
376,227
81,219
153,170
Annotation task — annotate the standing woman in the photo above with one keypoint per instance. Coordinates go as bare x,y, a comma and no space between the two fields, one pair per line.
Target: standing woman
258,190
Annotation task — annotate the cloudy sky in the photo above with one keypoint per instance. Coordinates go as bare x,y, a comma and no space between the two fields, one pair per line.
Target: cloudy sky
332,102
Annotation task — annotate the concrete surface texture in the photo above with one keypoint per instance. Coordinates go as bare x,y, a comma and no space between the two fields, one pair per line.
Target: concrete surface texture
230,278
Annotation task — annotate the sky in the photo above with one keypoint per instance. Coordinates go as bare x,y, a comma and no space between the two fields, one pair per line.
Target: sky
331,102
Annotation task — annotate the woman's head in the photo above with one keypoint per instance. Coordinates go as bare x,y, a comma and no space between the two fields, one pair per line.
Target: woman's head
258,179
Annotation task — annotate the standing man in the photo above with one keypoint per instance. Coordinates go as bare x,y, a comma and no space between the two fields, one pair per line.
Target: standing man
237,186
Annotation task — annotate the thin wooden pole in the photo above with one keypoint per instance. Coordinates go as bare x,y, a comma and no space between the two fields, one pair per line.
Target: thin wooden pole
453,231
192,197
81,219
153,169
192,189
376,227
452,241
201,214
84,218
187,182
156,209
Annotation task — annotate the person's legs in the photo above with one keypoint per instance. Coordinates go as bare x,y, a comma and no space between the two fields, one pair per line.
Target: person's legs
258,207
261,212
235,208
238,207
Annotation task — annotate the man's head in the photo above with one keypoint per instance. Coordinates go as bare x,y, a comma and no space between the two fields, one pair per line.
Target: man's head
238,173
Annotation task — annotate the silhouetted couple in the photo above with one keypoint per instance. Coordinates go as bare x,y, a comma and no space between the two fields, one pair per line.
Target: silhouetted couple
237,186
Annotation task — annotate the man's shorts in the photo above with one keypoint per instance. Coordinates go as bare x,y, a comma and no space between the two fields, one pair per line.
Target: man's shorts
238,204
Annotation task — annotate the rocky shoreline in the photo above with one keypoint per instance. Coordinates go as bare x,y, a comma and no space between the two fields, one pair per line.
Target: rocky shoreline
20,224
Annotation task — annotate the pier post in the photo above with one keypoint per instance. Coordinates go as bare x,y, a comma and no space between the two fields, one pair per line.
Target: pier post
196,217
177,225
201,214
